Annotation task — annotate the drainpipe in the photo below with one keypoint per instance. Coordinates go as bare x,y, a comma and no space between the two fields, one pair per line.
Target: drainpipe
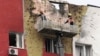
59,44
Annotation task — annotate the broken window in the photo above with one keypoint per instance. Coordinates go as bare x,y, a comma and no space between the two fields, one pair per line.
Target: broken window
50,46
83,50
16,40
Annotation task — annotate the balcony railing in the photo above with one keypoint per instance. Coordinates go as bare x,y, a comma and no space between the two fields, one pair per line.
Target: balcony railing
52,26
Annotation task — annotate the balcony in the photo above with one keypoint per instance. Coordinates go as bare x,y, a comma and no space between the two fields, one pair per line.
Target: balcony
58,1
50,27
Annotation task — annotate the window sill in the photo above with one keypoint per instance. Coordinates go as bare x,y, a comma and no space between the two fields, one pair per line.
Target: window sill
15,47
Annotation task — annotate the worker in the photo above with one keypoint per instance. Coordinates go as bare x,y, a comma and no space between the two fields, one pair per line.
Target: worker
70,19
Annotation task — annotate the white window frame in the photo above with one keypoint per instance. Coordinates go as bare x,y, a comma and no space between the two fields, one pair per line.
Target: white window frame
17,41
84,49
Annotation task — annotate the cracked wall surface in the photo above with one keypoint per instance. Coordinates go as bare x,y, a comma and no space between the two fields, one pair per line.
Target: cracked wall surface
78,12
34,40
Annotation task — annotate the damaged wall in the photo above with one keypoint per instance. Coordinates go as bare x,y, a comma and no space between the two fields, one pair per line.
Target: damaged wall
78,11
34,40
67,46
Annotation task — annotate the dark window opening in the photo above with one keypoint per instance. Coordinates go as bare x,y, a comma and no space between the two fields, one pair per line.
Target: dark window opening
55,46
13,55
12,39
47,45
50,46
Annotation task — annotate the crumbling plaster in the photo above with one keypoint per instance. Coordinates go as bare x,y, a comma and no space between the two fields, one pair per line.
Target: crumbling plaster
34,40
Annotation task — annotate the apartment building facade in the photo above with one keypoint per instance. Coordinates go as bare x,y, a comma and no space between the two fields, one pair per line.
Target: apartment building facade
46,33
52,40
11,28
88,43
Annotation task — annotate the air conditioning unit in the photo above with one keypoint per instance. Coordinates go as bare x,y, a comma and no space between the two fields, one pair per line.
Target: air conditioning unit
13,51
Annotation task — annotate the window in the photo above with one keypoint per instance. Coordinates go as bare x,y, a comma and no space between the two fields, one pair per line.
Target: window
59,7
12,38
16,40
88,50
12,55
83,50
50,46
56,6
79,51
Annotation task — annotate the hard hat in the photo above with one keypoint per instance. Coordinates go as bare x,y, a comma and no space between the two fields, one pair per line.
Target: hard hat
69,14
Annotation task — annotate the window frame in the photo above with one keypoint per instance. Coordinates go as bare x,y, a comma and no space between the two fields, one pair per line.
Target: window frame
53,47
18,35
84,48
59,7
